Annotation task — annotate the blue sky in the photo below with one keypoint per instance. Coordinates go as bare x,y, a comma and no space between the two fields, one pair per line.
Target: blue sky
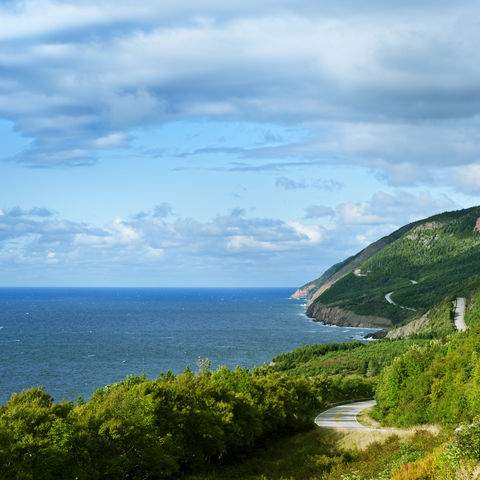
207,143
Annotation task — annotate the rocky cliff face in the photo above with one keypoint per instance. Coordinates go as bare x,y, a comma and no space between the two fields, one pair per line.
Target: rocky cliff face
410,328
345,318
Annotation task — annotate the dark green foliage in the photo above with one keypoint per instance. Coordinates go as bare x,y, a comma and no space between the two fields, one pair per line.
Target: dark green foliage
315,455
342,358
472,313
340,388
343,371
439,382
140,429
35,436
467,440
286,361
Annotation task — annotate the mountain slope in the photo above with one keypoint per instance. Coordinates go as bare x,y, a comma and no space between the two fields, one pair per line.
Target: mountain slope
403,275
315,288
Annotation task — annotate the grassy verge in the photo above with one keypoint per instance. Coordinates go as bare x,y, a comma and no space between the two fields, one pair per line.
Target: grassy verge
365,419
328,455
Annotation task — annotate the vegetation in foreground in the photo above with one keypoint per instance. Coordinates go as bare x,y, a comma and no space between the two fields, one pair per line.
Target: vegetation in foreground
256,424
244,424
151,429
316,455
432,381
173,425
439,382
161,428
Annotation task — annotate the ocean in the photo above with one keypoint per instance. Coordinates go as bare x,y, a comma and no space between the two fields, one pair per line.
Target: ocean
76,340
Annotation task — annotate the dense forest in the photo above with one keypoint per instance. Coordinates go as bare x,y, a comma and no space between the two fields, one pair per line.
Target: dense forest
151,429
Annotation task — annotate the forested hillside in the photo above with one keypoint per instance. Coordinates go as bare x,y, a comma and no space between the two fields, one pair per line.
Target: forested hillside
436,382
431,260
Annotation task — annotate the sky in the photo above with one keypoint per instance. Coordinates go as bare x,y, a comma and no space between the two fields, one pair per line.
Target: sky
210,143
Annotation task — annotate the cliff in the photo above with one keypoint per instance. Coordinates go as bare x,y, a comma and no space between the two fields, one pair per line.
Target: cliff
345,318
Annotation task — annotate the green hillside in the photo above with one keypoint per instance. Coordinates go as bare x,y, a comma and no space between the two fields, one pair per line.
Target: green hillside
339,270
426,262
435,382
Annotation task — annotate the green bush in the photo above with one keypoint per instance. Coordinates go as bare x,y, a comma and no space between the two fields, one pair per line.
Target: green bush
140,429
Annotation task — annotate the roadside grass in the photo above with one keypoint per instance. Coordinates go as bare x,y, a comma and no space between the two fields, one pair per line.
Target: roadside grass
302,456
363,439
322,454
366,420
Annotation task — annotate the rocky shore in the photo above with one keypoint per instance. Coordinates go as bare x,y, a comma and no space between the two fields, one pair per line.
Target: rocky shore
345,318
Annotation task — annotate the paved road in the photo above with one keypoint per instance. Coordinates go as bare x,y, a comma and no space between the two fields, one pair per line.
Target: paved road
459,313
388,298
344,417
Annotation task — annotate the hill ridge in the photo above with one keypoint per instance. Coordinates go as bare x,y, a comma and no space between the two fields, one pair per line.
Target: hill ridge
441,252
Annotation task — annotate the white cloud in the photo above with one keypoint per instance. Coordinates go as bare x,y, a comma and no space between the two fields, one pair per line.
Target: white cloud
113,140
397,209
387,86
466,178
150,236
238,243
121,232
235,242
312,233
358,213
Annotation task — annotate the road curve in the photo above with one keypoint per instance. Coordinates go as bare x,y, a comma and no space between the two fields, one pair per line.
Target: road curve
388,298
344,417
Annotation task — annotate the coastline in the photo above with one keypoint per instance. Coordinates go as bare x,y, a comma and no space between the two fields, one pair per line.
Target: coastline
76,340
345,318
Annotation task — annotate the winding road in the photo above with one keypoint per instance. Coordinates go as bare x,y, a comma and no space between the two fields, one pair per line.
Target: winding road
344,417
388,298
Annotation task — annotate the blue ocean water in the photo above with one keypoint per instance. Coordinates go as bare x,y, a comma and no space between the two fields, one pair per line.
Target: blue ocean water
75,340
